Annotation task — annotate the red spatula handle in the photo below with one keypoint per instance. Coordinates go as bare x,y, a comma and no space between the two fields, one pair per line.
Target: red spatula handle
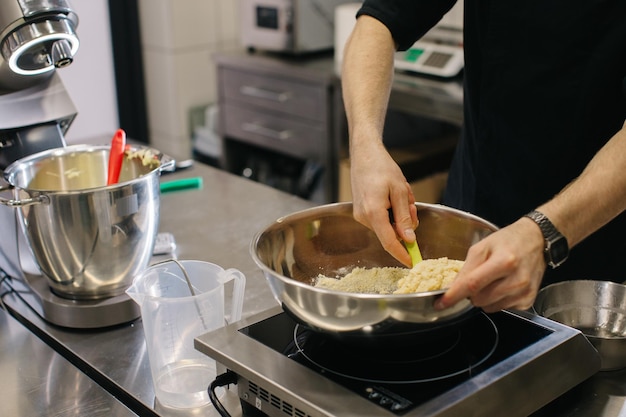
116,156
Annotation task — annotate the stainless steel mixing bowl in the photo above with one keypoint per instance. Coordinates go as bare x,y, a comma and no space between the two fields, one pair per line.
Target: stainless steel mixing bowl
596,308
89,239
327,240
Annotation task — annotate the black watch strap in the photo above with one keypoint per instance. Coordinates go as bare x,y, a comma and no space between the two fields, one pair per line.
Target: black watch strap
556,248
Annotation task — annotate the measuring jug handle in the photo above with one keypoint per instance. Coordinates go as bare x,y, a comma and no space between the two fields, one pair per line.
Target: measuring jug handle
238,292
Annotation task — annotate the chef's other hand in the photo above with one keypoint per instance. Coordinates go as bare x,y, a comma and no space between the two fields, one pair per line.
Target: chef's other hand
378,184
502,271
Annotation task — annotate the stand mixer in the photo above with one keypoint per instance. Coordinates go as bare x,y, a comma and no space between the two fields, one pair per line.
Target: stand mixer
36,38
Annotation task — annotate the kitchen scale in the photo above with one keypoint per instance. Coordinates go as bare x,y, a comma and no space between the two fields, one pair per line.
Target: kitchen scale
431,58
438,53
509,363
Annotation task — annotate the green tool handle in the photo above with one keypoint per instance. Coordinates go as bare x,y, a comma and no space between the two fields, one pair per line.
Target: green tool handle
414,251
182,184
412,248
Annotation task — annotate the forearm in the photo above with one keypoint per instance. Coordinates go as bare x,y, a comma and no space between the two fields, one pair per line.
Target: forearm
377,182
595,197
366,80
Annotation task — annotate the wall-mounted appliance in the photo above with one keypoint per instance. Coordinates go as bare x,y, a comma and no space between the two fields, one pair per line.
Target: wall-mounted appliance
289,26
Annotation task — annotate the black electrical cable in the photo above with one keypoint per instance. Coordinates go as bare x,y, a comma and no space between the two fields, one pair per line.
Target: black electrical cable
4,281
227,378
3,274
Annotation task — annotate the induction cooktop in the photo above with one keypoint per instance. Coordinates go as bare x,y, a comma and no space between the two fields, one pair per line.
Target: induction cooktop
512,362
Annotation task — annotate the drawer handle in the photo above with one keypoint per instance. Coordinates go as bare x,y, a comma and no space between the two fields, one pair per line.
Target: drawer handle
264,93
266,131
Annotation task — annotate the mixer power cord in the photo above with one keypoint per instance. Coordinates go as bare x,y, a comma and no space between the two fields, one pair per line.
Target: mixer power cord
6,288
4,278
225,379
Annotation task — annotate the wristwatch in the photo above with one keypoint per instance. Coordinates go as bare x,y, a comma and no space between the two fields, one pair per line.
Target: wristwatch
556,249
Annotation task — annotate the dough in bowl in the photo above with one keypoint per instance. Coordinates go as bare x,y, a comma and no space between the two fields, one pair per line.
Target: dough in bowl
428,275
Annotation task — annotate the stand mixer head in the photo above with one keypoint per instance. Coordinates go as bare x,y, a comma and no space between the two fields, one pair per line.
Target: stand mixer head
36,38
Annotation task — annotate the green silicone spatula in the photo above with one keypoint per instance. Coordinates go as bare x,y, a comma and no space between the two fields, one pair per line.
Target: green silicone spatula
414,252
412,248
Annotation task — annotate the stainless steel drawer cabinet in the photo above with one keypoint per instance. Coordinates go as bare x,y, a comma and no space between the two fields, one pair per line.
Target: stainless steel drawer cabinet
275,93
283,106
298,138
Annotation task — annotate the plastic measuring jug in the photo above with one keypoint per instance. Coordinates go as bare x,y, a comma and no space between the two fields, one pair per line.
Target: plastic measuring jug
172,317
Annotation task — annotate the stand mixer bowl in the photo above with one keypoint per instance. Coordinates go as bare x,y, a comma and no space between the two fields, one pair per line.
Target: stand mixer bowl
88,239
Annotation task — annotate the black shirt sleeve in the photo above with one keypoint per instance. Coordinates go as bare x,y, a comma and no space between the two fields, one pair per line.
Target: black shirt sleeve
407,20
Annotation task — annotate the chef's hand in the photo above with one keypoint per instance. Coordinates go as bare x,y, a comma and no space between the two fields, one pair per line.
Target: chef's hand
377,185
502,271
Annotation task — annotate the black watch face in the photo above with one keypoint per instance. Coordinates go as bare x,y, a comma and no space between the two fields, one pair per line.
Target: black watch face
558,251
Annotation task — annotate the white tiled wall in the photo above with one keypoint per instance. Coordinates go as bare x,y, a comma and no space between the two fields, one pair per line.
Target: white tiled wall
179,38
95,102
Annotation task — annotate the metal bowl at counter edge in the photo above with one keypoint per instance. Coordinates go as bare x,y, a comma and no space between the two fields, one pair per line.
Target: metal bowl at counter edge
87,238
596,308
327,240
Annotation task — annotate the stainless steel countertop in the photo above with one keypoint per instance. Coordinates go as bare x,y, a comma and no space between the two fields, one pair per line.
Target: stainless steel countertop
215,224
35,380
